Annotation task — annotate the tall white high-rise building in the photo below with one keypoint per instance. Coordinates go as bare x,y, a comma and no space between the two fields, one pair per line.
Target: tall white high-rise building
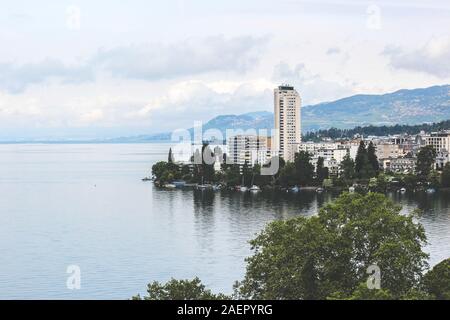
287,121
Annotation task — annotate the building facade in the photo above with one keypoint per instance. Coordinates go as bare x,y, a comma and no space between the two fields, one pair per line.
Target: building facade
250,149
287,104
439,140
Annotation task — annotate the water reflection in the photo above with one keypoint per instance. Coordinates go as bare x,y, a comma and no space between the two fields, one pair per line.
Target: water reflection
241,215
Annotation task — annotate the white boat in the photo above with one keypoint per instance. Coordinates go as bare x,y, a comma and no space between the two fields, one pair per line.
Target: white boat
170,186
319,190
351,189
255,188
295,189
431,190
216,187
402,190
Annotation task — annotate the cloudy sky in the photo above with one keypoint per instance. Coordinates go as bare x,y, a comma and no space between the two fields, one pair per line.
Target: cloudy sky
85,69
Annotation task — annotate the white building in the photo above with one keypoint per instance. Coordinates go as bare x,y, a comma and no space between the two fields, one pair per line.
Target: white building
249,148
442,158
287,104
439,140
333,153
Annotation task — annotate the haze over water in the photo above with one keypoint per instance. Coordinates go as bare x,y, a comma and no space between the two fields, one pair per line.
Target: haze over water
85,205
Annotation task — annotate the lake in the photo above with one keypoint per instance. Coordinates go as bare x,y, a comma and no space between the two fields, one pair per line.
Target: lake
85,205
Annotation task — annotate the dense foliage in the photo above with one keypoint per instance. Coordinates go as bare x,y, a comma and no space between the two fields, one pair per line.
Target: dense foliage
179,290
329,254
335,133
437,281
328,257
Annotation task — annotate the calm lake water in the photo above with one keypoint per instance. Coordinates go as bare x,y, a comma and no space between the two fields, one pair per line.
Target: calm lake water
85,205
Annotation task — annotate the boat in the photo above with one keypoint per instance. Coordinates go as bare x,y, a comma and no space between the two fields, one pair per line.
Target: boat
255,188
351,189
147,179
431,190
402,190
320,190
216,187
170,186
294,189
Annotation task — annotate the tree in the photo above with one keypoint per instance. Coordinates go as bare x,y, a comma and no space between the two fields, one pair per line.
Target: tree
425,160
372,158
322,172
287,176
361,158
437,281
328,255
363,168
232,175
170,156
304,170
164,172
179,290
203,171
348,167
445,177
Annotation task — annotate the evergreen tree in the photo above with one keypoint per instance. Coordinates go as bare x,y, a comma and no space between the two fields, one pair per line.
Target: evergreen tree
348,167
207,167
361,158
425,160
287,176
363,168
321,172
170,157
304,170
373,159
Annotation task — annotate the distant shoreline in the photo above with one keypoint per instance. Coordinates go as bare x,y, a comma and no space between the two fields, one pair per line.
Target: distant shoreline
84,142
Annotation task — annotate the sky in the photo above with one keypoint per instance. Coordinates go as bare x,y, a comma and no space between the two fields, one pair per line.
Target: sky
109,68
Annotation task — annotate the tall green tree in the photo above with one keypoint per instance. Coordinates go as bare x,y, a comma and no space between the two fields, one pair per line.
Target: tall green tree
372,158
329,254
363,168
304,169
170,158
322,172
203,170
425,161
347,168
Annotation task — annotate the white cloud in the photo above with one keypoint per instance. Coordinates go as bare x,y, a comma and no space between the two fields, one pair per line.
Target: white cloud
150,62
433,58
185,58
312,87
15,78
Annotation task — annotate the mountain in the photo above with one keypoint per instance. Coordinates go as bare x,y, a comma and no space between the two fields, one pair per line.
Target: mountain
410,107
401,107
